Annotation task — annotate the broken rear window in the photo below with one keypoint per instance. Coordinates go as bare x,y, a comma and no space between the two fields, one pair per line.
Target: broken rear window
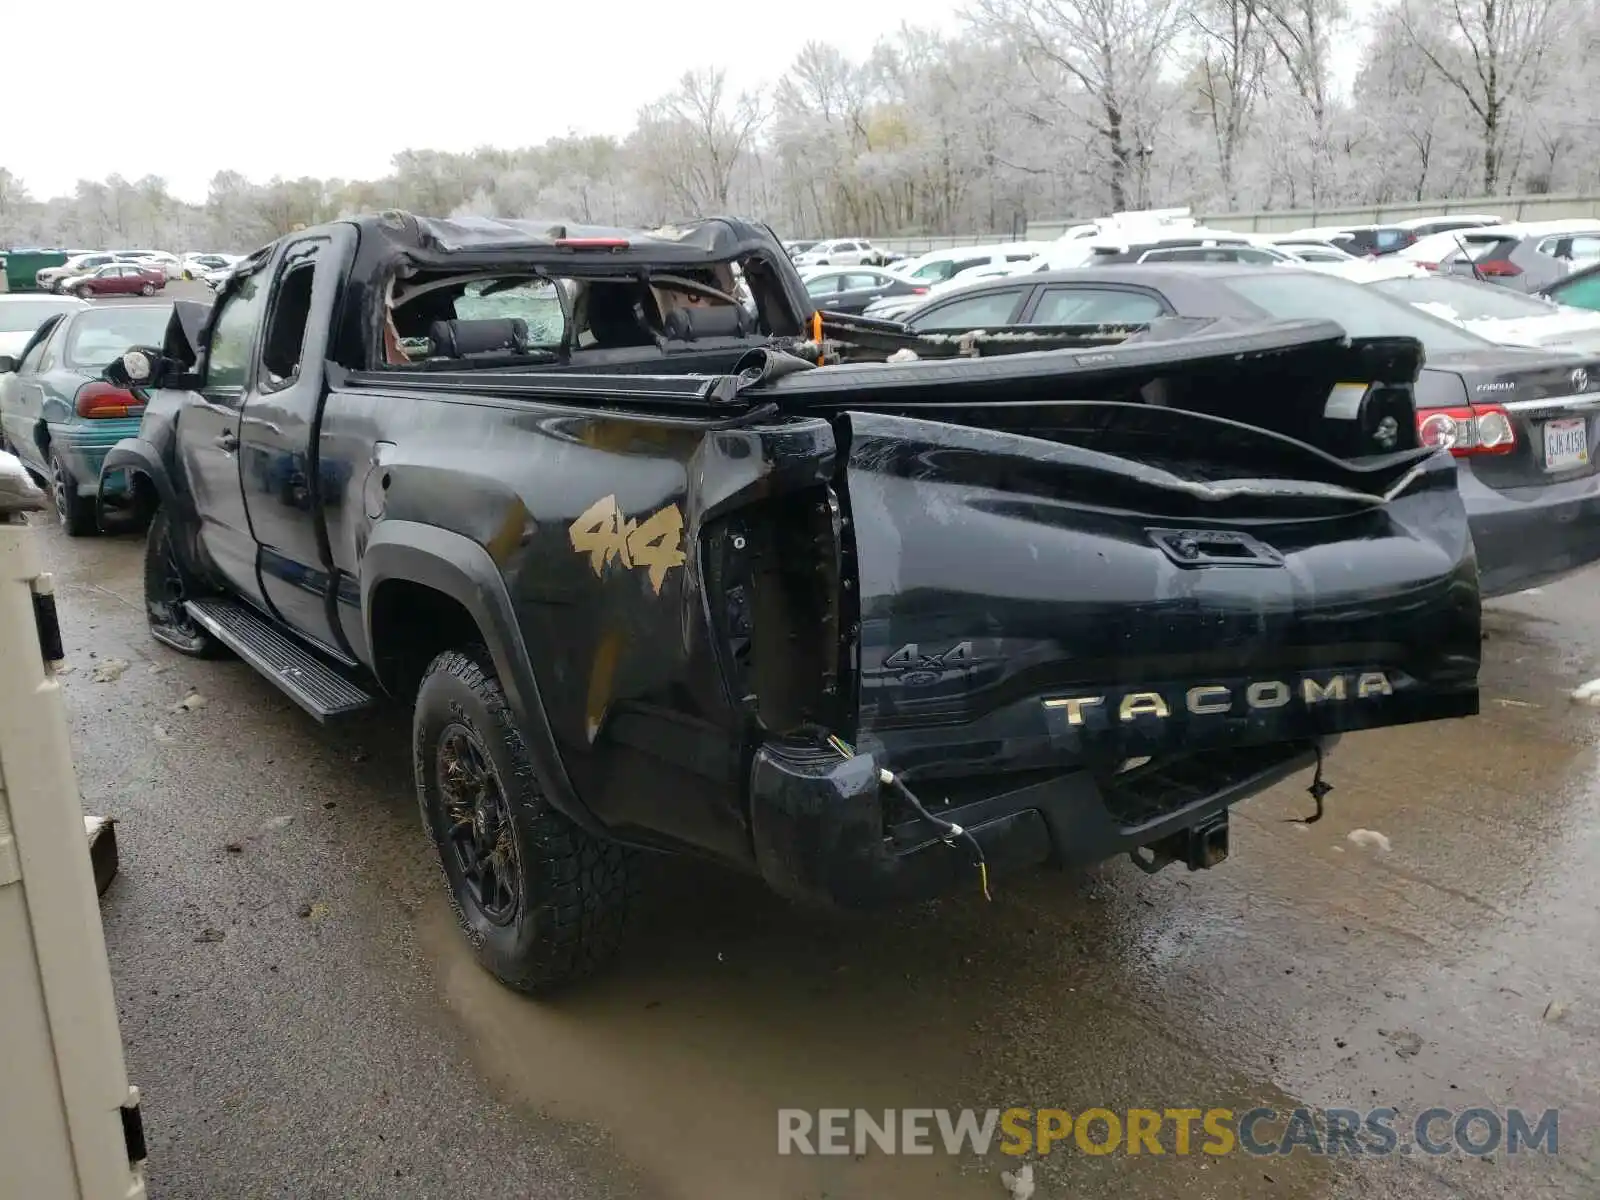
498,315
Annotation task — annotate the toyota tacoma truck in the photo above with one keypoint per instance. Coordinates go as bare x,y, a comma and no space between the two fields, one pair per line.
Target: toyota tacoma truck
661,559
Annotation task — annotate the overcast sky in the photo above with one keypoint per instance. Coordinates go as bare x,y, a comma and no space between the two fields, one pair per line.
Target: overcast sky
331,88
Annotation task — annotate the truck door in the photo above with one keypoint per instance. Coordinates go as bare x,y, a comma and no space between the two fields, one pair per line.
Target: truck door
278,460
208,434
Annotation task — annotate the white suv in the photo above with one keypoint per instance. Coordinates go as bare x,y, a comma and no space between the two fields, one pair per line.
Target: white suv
842,252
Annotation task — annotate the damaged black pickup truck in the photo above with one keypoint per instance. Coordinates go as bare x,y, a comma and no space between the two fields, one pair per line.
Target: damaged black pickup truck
663,560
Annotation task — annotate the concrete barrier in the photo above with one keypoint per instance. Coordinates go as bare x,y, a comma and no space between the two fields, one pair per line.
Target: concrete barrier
1508,208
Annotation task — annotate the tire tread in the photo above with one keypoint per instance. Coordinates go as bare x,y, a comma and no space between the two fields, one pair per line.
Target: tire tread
583,881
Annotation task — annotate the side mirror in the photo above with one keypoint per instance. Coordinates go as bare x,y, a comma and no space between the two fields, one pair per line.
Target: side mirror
7,364
142,367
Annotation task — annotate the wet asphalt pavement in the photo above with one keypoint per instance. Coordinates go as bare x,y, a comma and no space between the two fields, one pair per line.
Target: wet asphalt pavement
304,1020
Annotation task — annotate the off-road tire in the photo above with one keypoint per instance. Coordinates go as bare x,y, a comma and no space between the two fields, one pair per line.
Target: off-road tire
77,515
167,583
574,889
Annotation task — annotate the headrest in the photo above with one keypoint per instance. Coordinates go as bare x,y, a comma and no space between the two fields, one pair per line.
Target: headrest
458,339
691,324
612,317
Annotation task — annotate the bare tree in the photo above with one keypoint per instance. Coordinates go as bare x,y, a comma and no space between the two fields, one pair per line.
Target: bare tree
1301,33
1493,53
1111,51
701,132
1227,74
1050,112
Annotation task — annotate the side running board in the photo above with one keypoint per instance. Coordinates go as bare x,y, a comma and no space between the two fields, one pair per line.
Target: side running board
304,677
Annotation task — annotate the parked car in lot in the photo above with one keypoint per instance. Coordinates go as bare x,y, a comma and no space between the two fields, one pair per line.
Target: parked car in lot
841,252
59,416
1520,422
49,278
194,266
1373,241
21,315
937,266
851,289
170,266
1525,258
1431,251
215,277
116,279
1310,249
1422,227
1160,244
1497,313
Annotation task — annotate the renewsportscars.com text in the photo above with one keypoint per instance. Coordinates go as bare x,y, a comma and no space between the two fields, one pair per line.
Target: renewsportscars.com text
1379,1132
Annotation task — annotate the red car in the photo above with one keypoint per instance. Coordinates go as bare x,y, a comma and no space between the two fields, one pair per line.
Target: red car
119,278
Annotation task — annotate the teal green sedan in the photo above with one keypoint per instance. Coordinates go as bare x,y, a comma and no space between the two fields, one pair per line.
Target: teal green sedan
59,417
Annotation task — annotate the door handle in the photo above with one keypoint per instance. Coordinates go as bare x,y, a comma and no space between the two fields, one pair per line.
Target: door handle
228,441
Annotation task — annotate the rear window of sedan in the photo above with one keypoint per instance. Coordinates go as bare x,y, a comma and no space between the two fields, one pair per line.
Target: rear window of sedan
1468,299
24,316
100,334
1364,313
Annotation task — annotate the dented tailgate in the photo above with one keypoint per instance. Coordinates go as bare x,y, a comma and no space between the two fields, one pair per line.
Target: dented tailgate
1027,604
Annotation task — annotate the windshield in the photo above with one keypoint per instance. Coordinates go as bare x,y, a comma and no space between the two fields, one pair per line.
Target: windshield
1364,313
1468,301
98,335
24,316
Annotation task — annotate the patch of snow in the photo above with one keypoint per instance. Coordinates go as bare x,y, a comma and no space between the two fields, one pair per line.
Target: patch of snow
1370,837
1588,693
1019,1183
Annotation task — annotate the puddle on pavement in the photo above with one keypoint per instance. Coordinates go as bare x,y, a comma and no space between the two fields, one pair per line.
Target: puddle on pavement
1302,967
729,1006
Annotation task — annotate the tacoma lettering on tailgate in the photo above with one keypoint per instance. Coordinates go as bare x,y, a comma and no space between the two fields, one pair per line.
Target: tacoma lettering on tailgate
1215,698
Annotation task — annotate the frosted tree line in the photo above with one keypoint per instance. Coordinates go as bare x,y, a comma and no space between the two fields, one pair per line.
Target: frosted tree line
1036,110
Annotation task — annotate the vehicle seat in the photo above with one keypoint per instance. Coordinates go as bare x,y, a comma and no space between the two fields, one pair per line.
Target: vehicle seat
692,324
614,316
496,335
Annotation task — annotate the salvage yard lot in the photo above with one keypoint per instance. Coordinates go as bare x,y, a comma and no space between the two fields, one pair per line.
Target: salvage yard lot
304,1021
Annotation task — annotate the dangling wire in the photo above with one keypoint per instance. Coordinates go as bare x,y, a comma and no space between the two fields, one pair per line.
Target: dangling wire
949,829
1318,789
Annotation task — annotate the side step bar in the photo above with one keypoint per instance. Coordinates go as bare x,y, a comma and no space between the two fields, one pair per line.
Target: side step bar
304,677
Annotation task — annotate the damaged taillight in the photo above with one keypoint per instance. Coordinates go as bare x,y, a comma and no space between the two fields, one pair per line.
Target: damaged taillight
773,587
101,400
1475,429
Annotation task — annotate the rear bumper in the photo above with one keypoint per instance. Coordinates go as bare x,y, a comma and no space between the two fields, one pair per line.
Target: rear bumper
83,446
1533,535
820,833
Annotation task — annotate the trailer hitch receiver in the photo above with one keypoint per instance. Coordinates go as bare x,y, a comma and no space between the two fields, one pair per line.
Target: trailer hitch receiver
1199,847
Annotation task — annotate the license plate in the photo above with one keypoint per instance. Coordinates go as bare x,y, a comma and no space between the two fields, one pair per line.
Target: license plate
1566,444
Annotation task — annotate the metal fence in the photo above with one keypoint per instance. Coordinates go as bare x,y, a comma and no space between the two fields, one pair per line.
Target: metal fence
1509,208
